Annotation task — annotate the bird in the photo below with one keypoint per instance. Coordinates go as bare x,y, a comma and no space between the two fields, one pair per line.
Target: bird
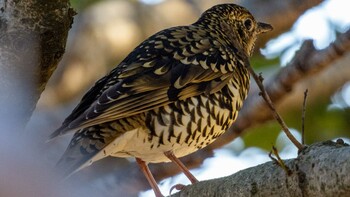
174,94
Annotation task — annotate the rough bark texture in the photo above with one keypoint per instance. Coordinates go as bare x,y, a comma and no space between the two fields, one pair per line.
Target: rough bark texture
319,170
33,36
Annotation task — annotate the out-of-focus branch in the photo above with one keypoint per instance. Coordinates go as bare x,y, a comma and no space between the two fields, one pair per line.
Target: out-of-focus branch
33,36
319,170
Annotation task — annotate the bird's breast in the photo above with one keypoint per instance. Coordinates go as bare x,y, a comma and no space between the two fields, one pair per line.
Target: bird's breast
183,126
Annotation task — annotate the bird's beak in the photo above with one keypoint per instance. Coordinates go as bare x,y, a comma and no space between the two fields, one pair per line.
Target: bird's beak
264,27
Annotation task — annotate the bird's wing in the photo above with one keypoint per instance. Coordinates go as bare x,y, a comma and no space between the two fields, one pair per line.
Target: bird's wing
174,64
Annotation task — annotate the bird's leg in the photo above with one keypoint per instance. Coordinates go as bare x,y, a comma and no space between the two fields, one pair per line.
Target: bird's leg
149,177
183,168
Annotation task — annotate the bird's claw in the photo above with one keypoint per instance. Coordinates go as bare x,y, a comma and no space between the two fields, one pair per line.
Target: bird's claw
178,187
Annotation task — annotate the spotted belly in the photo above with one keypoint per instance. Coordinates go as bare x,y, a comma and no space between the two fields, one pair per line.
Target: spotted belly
182,127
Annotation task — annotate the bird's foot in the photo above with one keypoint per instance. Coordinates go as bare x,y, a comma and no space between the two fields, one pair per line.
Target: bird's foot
178,187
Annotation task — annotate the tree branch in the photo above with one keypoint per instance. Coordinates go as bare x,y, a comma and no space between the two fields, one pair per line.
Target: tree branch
303,112
271,106
319,170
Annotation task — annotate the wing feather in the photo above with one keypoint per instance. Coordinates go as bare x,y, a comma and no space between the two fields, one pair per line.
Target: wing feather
153,75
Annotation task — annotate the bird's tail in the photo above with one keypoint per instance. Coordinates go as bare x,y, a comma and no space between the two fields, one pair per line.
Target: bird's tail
87,146
73,160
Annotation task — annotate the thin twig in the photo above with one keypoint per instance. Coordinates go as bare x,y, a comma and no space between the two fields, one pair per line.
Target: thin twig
279,161
258,80
303,118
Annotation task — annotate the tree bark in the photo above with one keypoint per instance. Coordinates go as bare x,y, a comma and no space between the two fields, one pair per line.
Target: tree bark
33,36
319,170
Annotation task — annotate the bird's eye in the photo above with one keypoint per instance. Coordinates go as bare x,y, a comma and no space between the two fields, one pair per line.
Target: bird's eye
248,23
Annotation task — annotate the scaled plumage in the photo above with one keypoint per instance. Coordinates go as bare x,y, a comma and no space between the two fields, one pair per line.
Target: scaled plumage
175,93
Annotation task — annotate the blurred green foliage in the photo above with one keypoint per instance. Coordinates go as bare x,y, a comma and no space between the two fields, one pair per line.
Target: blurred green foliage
262,136
321,124
259,61
82,4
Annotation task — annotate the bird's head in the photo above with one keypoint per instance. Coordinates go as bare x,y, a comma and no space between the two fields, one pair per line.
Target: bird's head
236,23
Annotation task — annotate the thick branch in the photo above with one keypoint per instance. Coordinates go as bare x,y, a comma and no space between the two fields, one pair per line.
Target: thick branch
33,36
319,170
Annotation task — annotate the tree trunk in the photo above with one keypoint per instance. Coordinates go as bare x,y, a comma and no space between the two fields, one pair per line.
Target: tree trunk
33,35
